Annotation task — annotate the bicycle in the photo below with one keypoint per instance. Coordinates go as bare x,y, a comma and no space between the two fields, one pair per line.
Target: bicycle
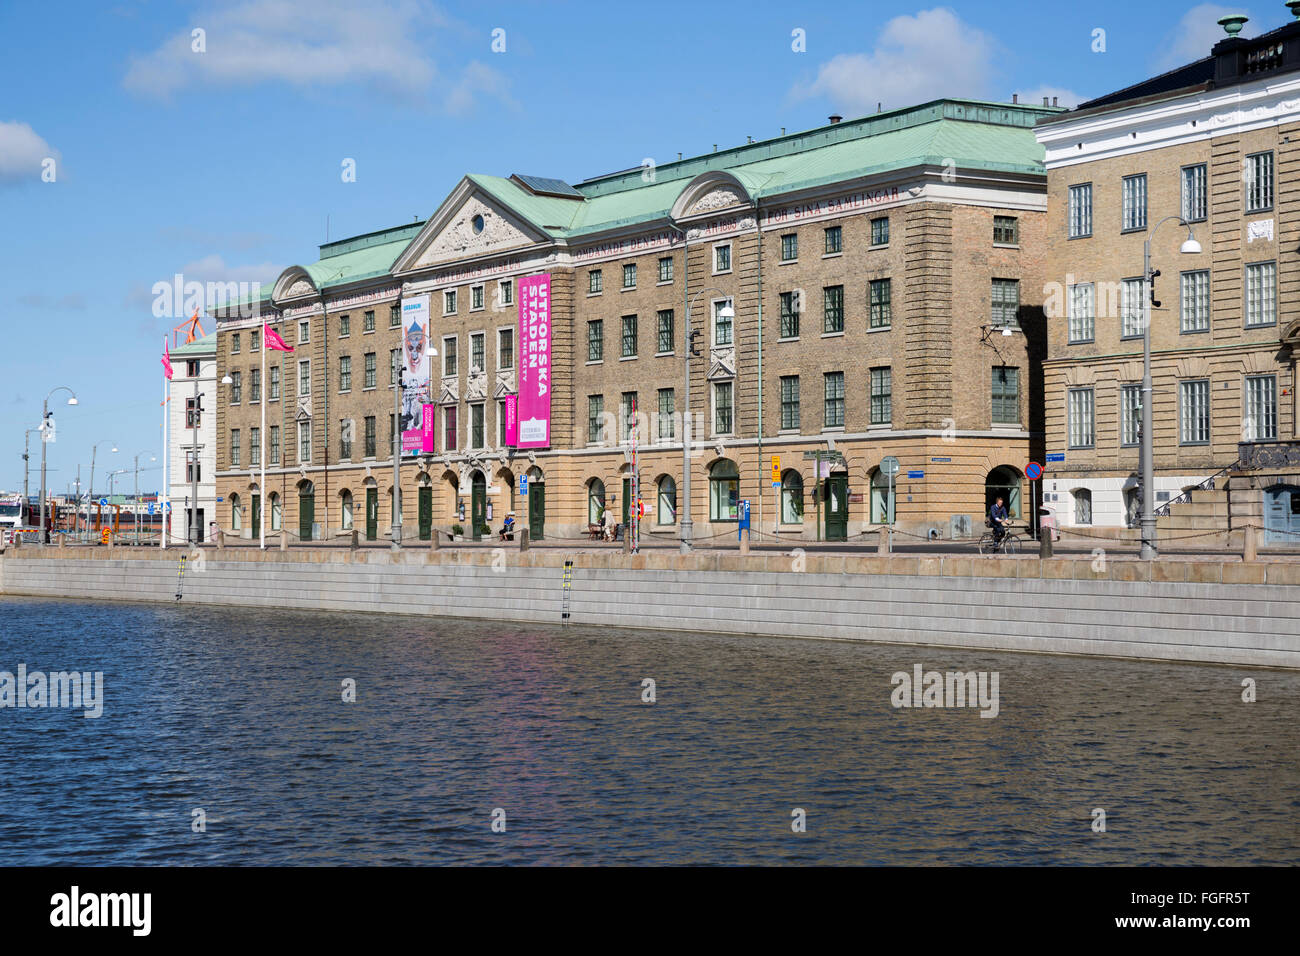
1010,543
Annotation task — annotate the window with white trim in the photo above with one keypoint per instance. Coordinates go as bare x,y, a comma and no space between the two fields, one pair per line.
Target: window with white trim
1081,429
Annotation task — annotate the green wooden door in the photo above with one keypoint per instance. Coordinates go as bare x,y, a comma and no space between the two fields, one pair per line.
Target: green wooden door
536,510
306,514
836,507
478,505
257,516
426,514
627,501
372,514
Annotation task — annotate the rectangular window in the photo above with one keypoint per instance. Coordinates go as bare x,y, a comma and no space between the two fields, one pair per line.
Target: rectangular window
833,391
304,328
449,302
789,401
449,358
1083,314
665,341
394,363
789,247
595,282
629,275
505,348
1006,395
882,410
255,340
345,373
1259,182
234,448
192,369
666,269
833,308
880,231
345,326
236,387
1194,412
370,370
234,343
1130,308
667,411
304,442
1134,195
1194,311
255,446
722,420
193,466
628,415
368,321
595,418
370,436
255,385
1006,230
722,258
1259,423
193,413
629,336
273,445
478,351
1079,221
274,383
476,431
789,315
1079,411
722,324
476,297
507,287
1130,410
1005,299
304,377
880,296
1261,294
834,240
449,437
1195,203
395,314
345,439
596,340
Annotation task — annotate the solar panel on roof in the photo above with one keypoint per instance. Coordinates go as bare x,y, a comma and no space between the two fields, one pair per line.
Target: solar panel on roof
549,187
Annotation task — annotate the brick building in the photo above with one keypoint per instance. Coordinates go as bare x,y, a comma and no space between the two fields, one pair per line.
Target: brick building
870,287
1215,144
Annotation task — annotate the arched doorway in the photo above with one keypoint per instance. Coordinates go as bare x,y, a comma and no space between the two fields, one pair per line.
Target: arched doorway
478,504
306,509
1003,481
277,511
666,508
882,498
255,499
236,514
724,491
835,505
345,510
1282,515
1082,505
536,504
791,497
595,501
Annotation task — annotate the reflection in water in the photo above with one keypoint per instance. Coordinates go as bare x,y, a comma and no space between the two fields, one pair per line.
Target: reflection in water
241,713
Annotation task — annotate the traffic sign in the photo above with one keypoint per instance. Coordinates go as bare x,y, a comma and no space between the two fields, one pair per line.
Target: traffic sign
103,502
523,484
889,466
1033,471
151,507
776,469
105,535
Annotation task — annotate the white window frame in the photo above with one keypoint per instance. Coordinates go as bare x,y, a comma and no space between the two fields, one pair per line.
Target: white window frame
1194,411
449,298
1078,211
717,247
1079,295
1200,304
1253,293
1074,426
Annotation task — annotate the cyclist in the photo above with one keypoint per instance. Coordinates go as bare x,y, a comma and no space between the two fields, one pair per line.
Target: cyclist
998,521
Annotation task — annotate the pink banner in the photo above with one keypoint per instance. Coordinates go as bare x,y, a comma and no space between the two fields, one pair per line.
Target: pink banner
534,408
512,421
420,440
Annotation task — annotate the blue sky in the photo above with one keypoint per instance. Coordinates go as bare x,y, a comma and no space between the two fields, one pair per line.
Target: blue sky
224,164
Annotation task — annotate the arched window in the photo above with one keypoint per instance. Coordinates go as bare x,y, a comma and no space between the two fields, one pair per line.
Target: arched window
595,501
345,521
1003,481
277,511
724,491
791,498
1082,506
236,514
882,498
667,511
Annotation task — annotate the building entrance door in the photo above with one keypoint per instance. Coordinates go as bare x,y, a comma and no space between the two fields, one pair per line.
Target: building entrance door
536,510
372,514
426,513
837,507
478,505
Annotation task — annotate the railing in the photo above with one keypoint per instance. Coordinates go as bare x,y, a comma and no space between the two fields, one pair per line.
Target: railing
1206,485
1260,456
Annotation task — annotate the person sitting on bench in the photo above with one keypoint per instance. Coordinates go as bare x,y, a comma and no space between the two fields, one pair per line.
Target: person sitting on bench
508,529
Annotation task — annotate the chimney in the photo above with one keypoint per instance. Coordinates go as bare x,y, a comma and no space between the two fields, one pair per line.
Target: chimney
1015,98
1054,99
1045,99
782,130
835,118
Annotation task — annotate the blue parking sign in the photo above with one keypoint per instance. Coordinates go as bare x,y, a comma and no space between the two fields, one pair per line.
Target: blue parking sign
523,484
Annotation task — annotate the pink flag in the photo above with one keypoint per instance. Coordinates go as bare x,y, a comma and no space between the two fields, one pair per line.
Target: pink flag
272,340
167,361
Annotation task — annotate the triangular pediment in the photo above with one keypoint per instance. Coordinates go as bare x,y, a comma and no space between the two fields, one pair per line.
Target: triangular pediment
469,224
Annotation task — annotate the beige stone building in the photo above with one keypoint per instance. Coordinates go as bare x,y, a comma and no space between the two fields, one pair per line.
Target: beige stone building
868,288
1211,149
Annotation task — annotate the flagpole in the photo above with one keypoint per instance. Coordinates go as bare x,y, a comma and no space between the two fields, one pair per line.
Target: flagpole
166,460
261,436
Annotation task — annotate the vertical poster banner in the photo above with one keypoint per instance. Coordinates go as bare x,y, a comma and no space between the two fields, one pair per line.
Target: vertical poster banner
427,447
415,374
534,408
512,421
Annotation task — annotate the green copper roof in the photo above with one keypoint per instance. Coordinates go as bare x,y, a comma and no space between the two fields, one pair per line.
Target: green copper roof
204,346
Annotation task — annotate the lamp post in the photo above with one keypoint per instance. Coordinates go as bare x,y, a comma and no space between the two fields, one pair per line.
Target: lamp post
136,507
45,440
688,346
27,454
398,369
94,449
1146,454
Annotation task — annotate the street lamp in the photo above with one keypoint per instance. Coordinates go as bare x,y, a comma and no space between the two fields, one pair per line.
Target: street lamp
45,440
1146,455
136,507
688,346
94,449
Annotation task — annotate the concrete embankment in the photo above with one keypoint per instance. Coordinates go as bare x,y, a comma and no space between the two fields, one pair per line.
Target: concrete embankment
1229,612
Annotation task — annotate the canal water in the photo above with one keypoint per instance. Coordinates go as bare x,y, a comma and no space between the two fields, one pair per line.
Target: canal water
240,714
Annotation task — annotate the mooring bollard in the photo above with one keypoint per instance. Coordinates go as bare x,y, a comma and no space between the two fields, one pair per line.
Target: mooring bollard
284,541
62,539
1045,543
523,539
882,541
627,542
221,540
1250,544
744,542
433,539
353,544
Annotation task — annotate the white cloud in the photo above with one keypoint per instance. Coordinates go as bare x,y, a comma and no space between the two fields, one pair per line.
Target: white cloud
1197,31
213,268
1064,97
478,80
21,153
301,42
917,58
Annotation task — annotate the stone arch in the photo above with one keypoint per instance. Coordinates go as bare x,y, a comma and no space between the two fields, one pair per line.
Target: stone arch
710,191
